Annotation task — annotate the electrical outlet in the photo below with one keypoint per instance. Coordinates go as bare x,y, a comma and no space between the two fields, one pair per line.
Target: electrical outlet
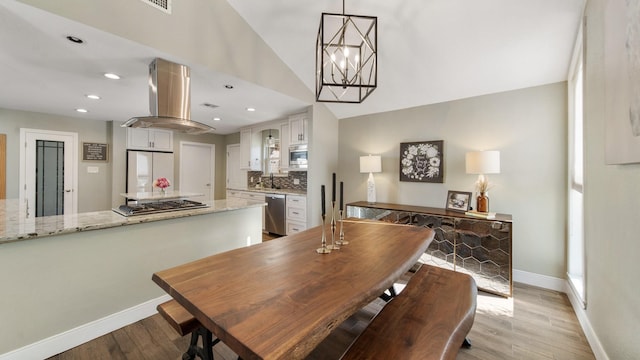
296,181
252,179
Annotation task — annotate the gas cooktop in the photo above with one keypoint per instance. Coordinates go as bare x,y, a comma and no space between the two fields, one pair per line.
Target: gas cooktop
158,207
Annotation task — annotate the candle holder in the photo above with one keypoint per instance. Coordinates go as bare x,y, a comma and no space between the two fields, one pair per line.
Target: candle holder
334,244
324,249
341,239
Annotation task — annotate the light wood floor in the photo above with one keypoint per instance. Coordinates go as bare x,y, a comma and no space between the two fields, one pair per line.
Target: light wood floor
534,324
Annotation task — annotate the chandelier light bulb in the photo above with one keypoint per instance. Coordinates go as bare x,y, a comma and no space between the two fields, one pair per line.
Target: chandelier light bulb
342,64
346,51
333,57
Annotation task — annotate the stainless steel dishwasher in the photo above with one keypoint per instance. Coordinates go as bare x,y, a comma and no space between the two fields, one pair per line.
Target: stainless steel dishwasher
275,214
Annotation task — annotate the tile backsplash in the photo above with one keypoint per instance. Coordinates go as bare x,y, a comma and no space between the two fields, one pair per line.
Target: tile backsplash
282,182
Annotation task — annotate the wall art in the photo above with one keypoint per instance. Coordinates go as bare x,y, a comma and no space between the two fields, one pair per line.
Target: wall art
622,82
422,161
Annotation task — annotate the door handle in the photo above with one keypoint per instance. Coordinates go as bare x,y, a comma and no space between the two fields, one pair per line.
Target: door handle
70,190
208,185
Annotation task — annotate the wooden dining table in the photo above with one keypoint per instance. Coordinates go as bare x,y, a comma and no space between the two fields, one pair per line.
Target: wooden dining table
280,299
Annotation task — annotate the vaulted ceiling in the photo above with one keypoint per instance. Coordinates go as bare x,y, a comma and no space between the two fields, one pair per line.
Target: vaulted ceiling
430,51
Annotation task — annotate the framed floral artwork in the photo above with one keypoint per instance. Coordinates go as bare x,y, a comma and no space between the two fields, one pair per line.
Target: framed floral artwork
422,161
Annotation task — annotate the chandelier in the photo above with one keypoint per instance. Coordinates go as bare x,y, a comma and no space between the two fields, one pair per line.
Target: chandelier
346,57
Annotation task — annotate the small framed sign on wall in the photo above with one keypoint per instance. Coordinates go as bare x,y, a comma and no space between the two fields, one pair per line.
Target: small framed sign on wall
95,152
422,161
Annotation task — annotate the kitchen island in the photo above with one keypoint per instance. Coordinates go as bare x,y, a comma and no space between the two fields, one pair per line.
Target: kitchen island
68,279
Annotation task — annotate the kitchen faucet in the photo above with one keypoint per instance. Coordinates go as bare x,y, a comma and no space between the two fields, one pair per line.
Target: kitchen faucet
271,178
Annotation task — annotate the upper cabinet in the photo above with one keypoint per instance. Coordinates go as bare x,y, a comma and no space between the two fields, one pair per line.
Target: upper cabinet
245,149
284,146
250,149
149,139
298,129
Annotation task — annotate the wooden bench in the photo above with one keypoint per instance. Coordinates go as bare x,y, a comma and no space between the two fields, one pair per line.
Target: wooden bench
184,323
429,319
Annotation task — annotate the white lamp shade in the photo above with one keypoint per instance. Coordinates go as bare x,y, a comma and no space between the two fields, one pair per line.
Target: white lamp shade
370,164
483,162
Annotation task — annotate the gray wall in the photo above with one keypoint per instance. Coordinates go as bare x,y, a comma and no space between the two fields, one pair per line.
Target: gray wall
612,224
99,191
527,126
55,284
93,189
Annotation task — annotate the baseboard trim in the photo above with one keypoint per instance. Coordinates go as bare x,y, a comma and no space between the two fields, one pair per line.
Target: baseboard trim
581,313
543,281
71,338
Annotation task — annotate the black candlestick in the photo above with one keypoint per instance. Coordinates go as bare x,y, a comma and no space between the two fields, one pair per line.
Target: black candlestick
333,188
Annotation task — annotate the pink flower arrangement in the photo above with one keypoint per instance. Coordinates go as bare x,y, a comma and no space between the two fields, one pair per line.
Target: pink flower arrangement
161,183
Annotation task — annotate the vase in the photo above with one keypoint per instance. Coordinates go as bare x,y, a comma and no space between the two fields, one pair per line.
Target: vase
162,191
482,204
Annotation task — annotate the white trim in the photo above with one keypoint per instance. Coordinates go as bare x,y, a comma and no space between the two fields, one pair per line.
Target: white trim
71,338
589,333
543,281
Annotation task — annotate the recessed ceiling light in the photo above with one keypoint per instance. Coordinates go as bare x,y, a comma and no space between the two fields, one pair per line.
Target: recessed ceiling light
112,76
93,97
216,119
228,86
82,110
251,109
75,40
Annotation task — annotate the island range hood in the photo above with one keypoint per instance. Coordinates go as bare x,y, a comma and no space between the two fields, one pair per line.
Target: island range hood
169,100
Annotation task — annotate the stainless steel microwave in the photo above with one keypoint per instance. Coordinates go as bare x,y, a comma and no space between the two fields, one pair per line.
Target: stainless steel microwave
298,156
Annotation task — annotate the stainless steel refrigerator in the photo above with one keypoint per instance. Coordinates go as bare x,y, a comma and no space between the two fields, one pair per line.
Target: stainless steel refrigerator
143,167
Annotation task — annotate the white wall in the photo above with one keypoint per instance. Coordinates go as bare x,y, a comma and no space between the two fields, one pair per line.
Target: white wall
612,223
209,32
527,126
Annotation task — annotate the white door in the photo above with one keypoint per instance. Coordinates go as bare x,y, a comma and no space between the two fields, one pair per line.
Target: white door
197,169
48,172
236,177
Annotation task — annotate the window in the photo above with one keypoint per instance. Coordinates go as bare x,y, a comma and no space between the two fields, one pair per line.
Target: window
575,246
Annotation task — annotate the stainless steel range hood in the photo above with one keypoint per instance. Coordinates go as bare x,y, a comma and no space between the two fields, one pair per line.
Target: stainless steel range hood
169,100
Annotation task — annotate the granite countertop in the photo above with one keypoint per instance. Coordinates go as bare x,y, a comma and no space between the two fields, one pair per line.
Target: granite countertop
272,191
14,226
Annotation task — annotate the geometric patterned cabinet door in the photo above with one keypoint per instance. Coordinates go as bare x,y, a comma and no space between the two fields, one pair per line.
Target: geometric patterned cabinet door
478,247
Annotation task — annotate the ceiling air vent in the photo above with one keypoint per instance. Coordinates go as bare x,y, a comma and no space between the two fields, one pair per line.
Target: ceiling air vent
164,5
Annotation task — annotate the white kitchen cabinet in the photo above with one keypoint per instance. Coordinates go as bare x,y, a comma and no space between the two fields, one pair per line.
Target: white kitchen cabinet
250,149
249,195
296,213
245,148
284,146
149,139
298,132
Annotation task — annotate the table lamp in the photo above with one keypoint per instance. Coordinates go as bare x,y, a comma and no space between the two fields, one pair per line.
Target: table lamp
371,164
482,163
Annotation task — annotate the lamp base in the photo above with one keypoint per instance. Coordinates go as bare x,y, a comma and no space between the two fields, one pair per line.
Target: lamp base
482,203
371,190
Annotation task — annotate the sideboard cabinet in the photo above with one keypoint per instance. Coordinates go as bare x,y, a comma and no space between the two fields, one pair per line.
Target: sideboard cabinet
476,246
